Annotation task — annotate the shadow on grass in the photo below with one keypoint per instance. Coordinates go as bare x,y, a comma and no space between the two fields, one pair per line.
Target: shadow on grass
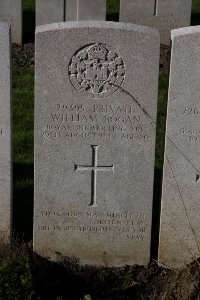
28,26
156,213
23,200
69,280
112,17
113,10
195,19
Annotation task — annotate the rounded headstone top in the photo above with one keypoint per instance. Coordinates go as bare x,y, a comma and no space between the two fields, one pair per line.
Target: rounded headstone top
185,31
97,24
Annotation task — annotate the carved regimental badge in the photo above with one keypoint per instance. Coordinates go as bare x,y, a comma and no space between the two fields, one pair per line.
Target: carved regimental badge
97,71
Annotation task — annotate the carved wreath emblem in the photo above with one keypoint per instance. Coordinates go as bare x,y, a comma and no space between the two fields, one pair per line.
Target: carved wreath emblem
96,71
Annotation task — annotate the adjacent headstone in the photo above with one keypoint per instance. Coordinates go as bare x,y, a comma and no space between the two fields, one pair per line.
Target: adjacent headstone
95,114
49,11
11,13
71,10
5,134
180,226
53,11
92,10
165,15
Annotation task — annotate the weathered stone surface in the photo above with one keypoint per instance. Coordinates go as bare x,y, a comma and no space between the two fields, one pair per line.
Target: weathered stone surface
71,10
5,133
180,227
95,114
53,11
49,11
164,15
11,13
92,10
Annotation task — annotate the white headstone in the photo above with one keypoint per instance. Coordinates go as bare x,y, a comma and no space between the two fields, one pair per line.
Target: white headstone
11,13
85,10
5,134
92,10
71,10
180,226
95,114
164,15
49,11
53,11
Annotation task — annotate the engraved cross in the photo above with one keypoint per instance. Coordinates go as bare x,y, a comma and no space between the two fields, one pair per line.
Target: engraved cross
156,7
94,169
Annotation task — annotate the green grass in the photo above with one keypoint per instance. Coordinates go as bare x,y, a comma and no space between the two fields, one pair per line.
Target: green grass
15,273
28,4
161,117
23,121
23,145
113,10
23,82
28,20
196,6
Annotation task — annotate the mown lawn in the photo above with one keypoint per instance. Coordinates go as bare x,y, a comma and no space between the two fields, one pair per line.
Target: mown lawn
196,6
15,271
23,122
23,146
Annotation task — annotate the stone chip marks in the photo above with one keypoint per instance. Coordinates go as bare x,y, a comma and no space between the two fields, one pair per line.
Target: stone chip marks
180,226
5,134
164,15
95,114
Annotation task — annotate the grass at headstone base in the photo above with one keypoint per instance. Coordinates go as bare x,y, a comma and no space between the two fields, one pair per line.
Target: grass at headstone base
23,145
40,276
28,4
15,274
28,20
24,275
196,6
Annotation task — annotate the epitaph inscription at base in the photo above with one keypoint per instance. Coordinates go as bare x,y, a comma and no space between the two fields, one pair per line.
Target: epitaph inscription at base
94,145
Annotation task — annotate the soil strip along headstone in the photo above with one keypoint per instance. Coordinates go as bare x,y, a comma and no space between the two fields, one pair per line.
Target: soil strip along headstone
180,229
164,15
96,83
11,13
5,134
